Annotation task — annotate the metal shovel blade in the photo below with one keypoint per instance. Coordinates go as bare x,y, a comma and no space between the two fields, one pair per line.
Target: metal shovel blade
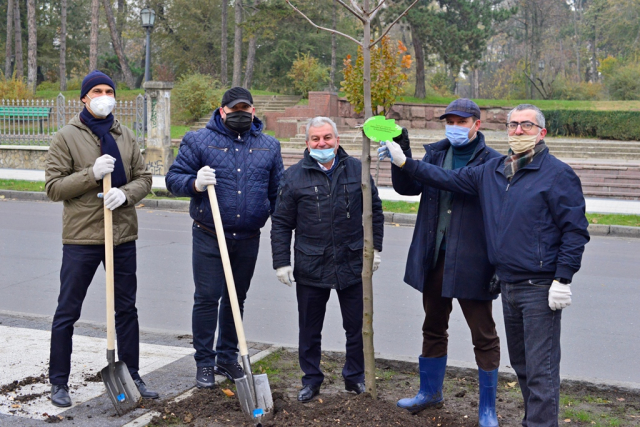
264,400
245,397
120,387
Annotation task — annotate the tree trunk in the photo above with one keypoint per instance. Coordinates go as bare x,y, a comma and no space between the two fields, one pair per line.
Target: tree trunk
251,59
367,220
63,45
418,49
224,44
17,28
594,54
32,47
128,77
334,47
9,44
475,89
93,41
237,45
121,17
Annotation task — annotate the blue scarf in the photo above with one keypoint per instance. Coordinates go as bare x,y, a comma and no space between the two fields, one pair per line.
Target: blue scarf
101,127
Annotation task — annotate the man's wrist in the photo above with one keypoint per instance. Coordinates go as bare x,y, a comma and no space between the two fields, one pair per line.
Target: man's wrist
562,280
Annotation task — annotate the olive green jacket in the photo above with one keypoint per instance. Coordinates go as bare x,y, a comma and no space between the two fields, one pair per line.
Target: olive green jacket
69,178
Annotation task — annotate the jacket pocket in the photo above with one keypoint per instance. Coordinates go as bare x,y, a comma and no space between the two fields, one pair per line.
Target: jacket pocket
308,263
355,258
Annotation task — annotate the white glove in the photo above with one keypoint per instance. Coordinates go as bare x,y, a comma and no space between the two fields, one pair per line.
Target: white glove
114,198
206,176
285,275
392,150
376,259
559,295
103,165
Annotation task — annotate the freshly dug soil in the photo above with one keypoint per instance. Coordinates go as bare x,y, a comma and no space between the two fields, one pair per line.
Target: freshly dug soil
580,405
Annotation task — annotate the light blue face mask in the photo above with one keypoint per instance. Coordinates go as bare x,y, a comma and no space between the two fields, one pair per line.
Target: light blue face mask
322,156
457,135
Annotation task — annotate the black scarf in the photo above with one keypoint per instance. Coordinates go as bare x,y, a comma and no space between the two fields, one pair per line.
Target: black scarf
108,145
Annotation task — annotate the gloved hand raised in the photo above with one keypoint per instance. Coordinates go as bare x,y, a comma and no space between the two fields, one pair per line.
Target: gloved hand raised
376,259
403,140
102,166
559,295
206,176
285,275
392,150
114,198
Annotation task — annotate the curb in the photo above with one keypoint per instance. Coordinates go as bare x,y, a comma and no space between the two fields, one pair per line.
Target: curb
391,218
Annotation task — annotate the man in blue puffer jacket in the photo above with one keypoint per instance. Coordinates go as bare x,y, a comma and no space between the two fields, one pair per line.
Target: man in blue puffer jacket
245,165
536,229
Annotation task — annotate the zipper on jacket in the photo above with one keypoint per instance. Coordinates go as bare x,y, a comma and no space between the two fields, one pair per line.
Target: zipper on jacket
509,184
251,150
318,203
346,200
219,148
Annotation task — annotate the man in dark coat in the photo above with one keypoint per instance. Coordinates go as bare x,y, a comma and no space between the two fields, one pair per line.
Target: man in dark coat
320,198
448,259
245,165
536,230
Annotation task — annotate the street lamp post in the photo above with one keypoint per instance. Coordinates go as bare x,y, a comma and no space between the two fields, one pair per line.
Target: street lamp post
148,18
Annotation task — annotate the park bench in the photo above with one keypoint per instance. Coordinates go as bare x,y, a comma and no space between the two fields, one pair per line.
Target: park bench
24,114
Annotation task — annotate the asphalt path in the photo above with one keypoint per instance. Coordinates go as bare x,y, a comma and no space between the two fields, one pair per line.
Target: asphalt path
600,331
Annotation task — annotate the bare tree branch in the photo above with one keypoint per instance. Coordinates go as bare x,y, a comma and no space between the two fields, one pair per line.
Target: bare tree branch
357,13
354,3
394,22
323,28
376,9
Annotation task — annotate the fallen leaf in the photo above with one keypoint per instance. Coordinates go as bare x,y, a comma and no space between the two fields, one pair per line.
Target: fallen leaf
228,392
620,399
511,385
567,420
15,405
140,205
188,418
320,400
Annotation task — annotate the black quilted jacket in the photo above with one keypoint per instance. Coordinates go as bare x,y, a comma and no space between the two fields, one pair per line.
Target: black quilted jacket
248,169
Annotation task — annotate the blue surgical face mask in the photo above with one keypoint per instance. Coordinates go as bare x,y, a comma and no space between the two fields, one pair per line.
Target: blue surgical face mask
457,135
322,156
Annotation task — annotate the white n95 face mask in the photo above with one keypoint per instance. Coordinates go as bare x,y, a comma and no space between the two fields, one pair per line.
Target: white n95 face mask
102,106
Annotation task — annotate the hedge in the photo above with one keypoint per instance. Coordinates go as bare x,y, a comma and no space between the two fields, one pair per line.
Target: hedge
620,125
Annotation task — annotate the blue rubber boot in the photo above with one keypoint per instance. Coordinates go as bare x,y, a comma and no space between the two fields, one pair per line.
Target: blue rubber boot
432,371
488,381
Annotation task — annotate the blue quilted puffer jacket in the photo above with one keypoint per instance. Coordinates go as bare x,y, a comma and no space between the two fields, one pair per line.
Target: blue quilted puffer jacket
248,170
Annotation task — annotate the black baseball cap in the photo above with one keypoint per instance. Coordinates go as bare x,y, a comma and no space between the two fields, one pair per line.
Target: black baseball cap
462,107
236,95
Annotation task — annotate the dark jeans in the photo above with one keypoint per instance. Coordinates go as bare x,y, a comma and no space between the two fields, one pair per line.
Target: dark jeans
533,339
477,313
211,291
312,304
79,265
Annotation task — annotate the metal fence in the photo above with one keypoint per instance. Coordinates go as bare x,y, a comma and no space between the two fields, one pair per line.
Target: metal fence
35,122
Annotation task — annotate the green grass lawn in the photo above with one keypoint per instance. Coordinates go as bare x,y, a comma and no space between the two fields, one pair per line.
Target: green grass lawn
178,131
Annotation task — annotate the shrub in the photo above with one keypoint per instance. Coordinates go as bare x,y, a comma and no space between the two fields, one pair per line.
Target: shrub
621,125
623,82
74,83
14,88
48,85
573,91
308,74
194,96
389,65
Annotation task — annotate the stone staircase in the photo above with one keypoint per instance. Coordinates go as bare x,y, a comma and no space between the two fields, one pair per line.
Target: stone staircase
608,169
263,104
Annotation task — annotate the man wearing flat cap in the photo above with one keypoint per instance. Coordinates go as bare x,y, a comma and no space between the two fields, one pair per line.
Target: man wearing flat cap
245,165
448,259
90,146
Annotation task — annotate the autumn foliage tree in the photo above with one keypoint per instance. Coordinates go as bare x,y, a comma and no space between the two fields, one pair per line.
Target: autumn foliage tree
389,65
308,74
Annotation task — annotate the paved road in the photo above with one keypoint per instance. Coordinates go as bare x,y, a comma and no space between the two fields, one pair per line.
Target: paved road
601,330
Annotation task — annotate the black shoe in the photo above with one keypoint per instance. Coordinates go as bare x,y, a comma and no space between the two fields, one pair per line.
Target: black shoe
144,392
308,392
357,387
205,377
60,395
232,371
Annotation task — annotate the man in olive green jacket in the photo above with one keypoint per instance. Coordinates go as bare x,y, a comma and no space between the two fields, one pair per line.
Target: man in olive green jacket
91,145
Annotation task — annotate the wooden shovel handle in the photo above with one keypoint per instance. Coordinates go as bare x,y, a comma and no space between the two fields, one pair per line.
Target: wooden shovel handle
108,266
228,273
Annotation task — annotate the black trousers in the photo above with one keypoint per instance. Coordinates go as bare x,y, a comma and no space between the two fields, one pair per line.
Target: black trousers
477,313
312,304
79,265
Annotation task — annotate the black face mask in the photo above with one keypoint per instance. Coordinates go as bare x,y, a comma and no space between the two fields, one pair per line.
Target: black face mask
239,121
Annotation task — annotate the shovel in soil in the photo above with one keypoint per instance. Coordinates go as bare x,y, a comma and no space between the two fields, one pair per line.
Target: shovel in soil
116,377
253,391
